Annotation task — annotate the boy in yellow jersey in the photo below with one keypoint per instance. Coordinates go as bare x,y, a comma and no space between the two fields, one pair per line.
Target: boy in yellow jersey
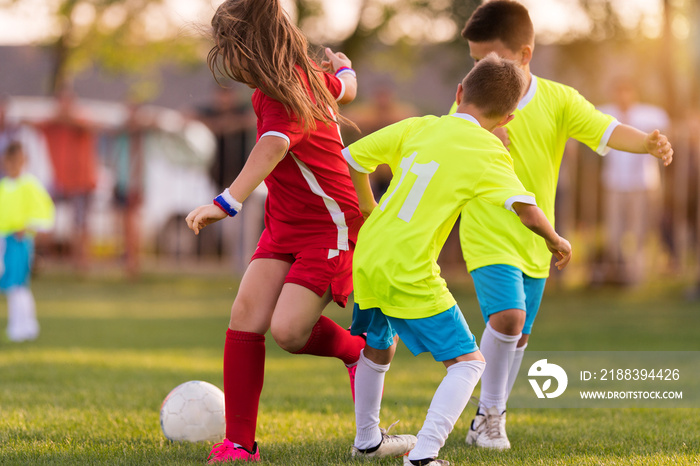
25,208
508,263
439,166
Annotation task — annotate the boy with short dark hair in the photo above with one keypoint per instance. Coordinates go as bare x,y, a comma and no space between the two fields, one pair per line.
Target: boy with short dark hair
440,165
508,263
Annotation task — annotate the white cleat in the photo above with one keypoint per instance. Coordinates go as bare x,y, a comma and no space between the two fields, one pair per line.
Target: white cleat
488,430
391,445
425,462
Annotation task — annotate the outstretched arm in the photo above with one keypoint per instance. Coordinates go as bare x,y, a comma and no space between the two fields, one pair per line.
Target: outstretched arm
629,139
264,157
532,217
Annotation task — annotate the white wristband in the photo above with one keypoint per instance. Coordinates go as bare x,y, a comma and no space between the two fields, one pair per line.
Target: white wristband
345,70
228,203
231,200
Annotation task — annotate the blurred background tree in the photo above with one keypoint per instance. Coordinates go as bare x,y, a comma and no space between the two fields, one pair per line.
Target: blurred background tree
659,45
405,24
132,37
656,41
135,37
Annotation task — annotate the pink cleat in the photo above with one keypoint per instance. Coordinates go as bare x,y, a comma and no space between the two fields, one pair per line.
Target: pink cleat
228,451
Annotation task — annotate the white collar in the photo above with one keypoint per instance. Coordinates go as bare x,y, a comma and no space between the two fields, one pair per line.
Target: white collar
529,94
466,116
12,183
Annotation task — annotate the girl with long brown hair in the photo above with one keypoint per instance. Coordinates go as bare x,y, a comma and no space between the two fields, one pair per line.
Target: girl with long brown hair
304,255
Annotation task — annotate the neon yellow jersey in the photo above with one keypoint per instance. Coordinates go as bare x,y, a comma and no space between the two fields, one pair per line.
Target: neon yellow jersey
24,205
548,115
439,165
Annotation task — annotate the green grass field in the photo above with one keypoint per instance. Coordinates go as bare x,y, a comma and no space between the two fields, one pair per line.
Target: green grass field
89,390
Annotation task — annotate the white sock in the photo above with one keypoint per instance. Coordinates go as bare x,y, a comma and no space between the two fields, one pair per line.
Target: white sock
498,350
448,403
369,383
515,367
21,314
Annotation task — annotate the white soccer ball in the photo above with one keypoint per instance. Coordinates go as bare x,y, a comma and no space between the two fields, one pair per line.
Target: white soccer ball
193,412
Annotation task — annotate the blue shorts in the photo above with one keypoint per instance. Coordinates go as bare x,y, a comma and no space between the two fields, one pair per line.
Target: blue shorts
17,260
445,335
500,287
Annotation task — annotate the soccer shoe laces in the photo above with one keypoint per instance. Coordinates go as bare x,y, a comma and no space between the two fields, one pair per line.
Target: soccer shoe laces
391,426
389,445
217,449
223,451
386,440
493,425
477,402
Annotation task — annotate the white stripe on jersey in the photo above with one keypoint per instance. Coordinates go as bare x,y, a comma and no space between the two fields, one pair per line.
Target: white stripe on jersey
520,198
342,90
334,210
276,134
352,162
603,148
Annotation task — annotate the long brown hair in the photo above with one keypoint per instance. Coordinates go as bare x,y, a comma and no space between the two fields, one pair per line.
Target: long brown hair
257,44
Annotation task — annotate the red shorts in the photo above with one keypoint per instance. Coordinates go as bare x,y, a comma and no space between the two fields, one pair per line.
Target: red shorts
316,269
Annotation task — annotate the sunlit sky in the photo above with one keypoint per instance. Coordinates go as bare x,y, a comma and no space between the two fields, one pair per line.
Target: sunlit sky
30,20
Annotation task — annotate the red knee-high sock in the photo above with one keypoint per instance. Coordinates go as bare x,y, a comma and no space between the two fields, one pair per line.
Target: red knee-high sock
244,371
331,340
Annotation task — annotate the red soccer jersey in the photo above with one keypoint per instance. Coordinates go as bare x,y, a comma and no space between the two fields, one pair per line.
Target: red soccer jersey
311,199
72,151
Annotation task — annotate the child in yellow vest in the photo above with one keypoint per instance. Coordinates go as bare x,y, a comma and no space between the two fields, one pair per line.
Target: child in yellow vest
25,209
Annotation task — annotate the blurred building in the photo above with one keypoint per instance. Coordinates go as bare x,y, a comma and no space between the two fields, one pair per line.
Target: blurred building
26,71
428,84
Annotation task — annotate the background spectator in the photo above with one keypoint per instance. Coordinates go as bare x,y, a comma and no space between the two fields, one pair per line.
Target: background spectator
72,148
126,160
230,117
631,184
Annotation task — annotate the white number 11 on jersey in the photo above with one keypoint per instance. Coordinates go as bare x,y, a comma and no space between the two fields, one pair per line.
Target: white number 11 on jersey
424,173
